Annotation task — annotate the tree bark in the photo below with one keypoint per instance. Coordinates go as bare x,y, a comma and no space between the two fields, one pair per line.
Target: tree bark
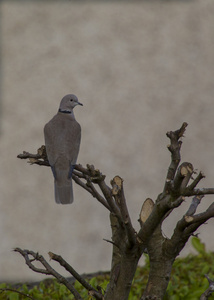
124,262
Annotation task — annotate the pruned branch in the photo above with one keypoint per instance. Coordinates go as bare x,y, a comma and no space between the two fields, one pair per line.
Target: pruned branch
174,148
107,192
195,192
185,227
89,174
39,159
193,206
183,176
118,194
196,181
146,210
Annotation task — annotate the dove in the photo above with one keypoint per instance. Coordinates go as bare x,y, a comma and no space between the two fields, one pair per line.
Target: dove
62,140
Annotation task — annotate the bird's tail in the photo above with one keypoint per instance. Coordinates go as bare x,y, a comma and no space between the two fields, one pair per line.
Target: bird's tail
63,193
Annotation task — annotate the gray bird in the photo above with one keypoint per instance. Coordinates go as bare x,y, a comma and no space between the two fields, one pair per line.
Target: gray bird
62,140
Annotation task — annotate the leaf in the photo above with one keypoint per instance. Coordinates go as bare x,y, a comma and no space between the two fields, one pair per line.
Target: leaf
93,282
198,245
62,290
3,286
14,296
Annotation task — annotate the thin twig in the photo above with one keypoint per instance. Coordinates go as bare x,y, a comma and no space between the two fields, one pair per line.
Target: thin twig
48,269
78,277
15,291
95,194
196,180
113,243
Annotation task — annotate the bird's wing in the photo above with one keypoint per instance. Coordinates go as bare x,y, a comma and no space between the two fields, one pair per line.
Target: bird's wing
62,139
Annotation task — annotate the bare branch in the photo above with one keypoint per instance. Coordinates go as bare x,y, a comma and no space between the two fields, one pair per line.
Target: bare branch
146,210
202,217
177,202
108,195
89,187
40,158
210,289
90,174
187,226
97,195
118,193
196,181
174,148
161,207
193,206
78,277
183,176
201,191
48,269
113,243
18,292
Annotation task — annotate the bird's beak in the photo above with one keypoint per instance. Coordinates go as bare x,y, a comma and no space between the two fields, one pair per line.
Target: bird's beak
79,103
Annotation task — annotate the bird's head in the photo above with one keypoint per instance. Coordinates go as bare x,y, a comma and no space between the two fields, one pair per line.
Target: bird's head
68,102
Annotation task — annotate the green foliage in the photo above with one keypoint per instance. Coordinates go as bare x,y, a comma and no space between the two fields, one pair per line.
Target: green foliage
187,277
187,281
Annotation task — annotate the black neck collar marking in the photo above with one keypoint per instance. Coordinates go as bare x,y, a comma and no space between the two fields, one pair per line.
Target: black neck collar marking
65,111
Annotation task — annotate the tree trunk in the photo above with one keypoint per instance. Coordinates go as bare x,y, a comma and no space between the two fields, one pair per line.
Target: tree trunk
124,263
121,278
158,279
161,263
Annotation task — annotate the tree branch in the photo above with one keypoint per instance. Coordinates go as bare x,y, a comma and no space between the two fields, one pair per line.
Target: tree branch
76,275
201,191
187,226
196,181
118,193
183,176
210,289
18,292
40,158
48,269
174,148
193,206
108,195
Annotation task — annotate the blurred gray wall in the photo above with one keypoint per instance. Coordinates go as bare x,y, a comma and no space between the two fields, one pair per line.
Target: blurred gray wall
140,68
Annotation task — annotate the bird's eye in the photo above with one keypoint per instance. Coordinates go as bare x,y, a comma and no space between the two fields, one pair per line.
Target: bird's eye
71,100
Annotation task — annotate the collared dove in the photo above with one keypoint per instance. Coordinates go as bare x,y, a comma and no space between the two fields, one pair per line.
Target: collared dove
62,139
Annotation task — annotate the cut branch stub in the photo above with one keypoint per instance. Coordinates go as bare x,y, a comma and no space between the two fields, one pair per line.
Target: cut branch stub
183,175
146,210
193,206
186,169
116,183
118,194
40,158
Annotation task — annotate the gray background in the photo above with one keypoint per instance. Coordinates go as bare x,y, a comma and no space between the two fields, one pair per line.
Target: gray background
141,69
